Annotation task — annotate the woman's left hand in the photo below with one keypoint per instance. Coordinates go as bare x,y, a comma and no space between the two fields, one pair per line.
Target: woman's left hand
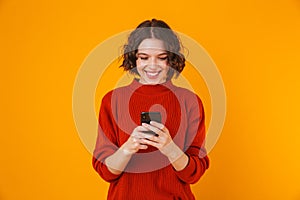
163,138
163,141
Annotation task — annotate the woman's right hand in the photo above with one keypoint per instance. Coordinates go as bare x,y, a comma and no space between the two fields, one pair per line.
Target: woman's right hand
133,144
117,162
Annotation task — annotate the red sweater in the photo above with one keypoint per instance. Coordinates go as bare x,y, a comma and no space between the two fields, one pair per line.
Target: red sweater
149,174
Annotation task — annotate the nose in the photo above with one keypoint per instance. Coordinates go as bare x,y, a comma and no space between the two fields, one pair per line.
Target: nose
153,63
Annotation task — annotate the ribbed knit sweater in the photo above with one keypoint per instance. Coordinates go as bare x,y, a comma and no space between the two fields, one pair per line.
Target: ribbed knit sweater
149,174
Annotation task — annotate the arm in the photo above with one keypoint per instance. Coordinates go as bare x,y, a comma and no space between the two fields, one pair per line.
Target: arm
118,161
191,162
194,148
106,144
109,160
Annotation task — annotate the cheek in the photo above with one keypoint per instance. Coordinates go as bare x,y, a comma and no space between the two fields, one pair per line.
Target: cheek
139,67
165,71
140,64
166,67
165,64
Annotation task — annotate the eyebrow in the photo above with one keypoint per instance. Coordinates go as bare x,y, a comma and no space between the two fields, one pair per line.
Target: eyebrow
165,53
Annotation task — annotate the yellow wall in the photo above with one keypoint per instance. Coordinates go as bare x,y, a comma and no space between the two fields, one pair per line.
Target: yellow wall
255,44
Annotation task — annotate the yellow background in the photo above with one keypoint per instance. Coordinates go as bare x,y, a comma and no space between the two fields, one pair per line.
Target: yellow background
255,44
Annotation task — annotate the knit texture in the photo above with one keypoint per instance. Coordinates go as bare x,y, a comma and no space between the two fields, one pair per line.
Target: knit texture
149,174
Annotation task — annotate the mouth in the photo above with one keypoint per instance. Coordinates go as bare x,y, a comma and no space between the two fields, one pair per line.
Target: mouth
152,74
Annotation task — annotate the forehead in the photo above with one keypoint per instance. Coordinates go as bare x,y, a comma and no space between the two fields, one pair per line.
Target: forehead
152,45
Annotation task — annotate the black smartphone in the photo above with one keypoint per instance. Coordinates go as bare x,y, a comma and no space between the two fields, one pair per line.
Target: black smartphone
146,117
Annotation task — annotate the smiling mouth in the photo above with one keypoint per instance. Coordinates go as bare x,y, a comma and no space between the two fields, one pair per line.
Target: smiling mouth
152,75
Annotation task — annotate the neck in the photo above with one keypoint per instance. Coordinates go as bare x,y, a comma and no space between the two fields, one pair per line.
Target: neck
158,88
152,83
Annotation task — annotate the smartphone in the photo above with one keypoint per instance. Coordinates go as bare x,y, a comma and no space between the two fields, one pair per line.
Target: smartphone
146,117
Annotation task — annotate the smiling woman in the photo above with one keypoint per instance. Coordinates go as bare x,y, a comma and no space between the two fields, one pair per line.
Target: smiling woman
137,164
156,37
152,64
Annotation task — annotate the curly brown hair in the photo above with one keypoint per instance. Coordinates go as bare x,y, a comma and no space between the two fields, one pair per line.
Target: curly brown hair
157,29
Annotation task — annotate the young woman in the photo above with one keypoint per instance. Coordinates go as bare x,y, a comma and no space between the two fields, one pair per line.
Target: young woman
160,164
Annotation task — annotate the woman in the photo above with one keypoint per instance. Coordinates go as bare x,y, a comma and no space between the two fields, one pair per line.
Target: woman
136,163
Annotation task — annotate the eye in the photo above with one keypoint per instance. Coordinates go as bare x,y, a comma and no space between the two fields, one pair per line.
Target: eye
143,57
163,58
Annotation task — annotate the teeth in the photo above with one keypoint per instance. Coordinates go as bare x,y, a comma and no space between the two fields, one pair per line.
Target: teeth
152,73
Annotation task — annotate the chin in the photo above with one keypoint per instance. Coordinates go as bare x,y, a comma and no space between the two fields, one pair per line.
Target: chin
154,82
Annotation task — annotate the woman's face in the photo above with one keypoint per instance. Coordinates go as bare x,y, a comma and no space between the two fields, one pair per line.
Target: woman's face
152,62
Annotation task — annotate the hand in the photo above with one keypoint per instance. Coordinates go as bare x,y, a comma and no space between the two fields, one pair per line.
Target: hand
165,144
161,141
134,142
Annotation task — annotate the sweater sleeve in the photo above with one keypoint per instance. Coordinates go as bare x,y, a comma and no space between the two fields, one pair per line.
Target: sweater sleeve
106,143
194,144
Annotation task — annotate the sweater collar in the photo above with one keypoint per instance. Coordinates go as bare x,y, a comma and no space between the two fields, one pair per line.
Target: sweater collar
156,89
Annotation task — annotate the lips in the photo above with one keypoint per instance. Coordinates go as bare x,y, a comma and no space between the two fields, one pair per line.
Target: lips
152,74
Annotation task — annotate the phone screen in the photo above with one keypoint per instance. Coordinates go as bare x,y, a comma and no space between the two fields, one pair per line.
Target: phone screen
146,117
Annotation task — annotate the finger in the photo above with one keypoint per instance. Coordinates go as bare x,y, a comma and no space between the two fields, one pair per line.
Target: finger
153,128
152,143
142,135
134,134
149,136
152,137
138,135
137,141
143,146
158,125
134,140
140,129
137,145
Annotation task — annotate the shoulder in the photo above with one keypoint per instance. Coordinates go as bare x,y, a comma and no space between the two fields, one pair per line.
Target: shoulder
117,92
183,90
186,94
188,98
